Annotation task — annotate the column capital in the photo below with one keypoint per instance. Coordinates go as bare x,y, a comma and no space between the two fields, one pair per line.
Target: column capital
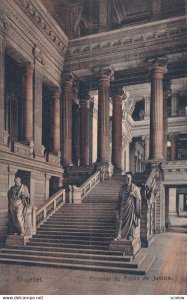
104,73
117,92
56,93
68,80
158,65
28,68
145,138
173,137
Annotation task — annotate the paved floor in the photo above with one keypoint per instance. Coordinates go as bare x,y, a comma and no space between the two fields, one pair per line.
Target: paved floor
168,275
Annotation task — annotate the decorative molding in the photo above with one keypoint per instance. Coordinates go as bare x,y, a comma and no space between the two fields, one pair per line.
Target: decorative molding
97,48
29,41
31,9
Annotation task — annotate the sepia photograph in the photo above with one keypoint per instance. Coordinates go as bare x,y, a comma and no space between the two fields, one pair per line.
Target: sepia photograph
93,149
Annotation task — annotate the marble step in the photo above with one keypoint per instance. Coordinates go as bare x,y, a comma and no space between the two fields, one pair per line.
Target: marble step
87,226
74,250
71,240
81,221
43,252
68,235
90,265
68,244
76,231
88,261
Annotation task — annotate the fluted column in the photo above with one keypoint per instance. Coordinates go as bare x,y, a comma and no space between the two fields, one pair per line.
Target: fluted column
56,122
67,118
117,98
2,87
167,93
146,147
84,129
28,104
147,108
173,139
174,105
103,115
158,69
91,129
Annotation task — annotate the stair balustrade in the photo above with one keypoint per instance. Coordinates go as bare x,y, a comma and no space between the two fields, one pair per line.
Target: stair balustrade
78,193
54,202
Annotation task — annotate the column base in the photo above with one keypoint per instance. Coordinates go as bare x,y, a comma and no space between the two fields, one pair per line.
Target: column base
117,171
107,168
39,153
146,241
126,246
24,148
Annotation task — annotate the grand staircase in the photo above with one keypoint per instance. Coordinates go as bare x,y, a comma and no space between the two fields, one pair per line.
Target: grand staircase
77,236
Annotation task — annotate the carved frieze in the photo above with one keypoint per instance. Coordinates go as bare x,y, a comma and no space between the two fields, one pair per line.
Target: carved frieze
135,43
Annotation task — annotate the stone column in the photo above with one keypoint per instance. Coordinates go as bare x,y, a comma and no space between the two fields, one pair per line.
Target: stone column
67,119
173,139
147,108
28,104
56,122
158,67
117,129
47,186
38,79
91,130
76,134
103,116
167,93
2,88
167,218
84,129
146,146
174,105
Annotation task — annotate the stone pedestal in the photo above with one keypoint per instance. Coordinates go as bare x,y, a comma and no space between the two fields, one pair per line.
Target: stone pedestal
17,240
126,246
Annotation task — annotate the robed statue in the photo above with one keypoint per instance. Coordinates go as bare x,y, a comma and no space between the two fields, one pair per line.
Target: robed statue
18,200
128,209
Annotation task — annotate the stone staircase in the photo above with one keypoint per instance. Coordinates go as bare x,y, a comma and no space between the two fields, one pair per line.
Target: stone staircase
77,236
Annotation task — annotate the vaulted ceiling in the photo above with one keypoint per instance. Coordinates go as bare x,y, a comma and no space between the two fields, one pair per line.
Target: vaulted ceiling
83,17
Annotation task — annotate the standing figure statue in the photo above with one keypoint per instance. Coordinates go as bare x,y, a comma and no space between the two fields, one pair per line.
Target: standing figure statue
128,209
18,199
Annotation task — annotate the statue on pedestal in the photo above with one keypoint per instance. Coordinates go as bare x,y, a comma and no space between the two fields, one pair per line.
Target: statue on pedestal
128,209
18,200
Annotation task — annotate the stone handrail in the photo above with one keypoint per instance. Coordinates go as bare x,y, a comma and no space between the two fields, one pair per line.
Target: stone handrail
50,207
78,193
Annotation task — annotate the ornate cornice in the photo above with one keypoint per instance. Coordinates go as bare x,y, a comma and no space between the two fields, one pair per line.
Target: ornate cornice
36,11
29,41
129,43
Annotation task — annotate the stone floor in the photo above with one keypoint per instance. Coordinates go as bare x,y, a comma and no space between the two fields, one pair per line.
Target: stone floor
168,275
179,221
